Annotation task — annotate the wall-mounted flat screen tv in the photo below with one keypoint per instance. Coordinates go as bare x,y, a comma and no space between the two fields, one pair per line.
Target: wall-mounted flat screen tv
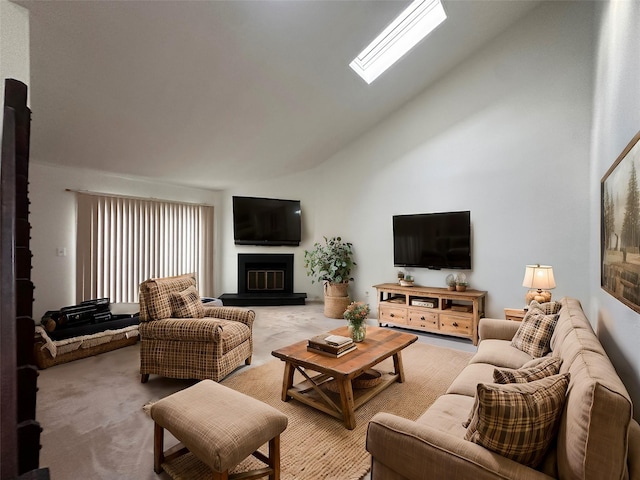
432,240
266,221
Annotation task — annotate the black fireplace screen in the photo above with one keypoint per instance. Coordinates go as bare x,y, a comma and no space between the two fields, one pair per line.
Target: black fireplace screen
265,280
265,273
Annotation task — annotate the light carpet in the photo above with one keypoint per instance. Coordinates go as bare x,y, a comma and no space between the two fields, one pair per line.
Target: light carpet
316,445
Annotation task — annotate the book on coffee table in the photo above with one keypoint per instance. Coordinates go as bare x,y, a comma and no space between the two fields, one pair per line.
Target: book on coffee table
338,340
332,344
314,349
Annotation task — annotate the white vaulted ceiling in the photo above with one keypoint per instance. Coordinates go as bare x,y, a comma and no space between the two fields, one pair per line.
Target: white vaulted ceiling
215,93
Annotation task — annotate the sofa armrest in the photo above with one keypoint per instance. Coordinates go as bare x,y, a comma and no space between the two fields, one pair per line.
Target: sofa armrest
231,313
417,451
182,329
497,328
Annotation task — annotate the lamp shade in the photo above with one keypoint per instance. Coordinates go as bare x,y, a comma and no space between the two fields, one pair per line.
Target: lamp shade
539,277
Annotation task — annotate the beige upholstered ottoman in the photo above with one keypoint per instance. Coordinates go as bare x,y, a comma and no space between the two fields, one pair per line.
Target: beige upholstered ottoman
221,427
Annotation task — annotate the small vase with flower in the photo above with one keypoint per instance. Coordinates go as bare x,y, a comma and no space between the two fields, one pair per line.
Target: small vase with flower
356,314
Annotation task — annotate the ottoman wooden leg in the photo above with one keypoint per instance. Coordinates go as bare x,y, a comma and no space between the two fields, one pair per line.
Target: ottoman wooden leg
158,447
274,457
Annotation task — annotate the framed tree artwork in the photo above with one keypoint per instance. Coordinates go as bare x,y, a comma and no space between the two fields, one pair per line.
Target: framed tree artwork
620,227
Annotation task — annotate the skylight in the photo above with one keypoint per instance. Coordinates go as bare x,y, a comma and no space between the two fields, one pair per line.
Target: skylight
411,26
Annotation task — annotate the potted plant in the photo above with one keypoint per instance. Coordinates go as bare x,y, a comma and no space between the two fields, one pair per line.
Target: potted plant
407,281
356,314
331,262
451,282
461,282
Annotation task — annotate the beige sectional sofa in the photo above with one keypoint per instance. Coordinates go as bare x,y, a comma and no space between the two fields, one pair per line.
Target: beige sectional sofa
597,437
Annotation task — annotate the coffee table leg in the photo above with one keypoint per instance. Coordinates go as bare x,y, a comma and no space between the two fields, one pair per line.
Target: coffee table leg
397,365
287,381
347,403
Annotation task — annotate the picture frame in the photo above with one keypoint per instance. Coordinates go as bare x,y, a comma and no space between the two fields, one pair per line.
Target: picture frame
620,227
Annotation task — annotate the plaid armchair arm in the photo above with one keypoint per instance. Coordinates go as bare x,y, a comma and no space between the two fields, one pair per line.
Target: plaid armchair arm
231,313
183,329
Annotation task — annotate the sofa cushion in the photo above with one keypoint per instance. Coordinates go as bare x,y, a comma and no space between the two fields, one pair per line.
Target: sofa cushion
534,335
467,381
182,330
500,353
229,333
549,366
519,421
579,341
186,304
447,413
571,317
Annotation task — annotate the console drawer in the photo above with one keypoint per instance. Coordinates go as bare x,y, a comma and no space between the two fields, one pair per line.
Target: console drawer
422,319
392,314
456,324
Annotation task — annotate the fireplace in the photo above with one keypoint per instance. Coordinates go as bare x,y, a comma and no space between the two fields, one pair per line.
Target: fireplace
265,273
264,279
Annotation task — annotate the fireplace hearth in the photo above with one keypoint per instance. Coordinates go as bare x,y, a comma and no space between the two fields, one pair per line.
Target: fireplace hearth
264,279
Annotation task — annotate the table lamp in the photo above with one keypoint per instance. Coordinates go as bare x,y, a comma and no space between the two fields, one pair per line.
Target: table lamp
540,278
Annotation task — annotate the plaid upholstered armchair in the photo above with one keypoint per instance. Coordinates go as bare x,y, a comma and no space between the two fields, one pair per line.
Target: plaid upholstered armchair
180,337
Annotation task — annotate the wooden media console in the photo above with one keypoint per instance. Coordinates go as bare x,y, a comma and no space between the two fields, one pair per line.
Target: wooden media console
431,309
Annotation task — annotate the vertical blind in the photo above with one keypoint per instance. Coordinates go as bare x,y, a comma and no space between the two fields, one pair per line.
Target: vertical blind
122,242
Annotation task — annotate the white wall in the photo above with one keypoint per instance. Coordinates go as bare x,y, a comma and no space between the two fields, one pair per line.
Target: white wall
505,135
14,42
616,119
53,223
14,45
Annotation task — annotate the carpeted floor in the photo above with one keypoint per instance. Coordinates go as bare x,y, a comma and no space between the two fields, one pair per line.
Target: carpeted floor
91,409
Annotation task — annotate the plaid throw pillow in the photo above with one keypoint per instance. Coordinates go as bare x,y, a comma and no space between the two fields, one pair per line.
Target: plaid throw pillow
534,362
546,368
534,334
548,308
542,369
519,421
186,304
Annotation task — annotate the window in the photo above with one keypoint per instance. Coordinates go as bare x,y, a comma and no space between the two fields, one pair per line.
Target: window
404,33
123,241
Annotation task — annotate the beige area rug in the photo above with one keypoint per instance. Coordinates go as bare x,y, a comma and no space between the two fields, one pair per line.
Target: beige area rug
317,446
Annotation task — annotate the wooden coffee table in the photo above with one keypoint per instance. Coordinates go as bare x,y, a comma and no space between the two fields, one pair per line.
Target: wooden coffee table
380,343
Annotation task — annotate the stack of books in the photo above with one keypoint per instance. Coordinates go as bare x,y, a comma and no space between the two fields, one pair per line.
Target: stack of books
331,345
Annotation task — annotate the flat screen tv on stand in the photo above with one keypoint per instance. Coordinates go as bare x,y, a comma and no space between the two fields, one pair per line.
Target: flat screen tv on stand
433,240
